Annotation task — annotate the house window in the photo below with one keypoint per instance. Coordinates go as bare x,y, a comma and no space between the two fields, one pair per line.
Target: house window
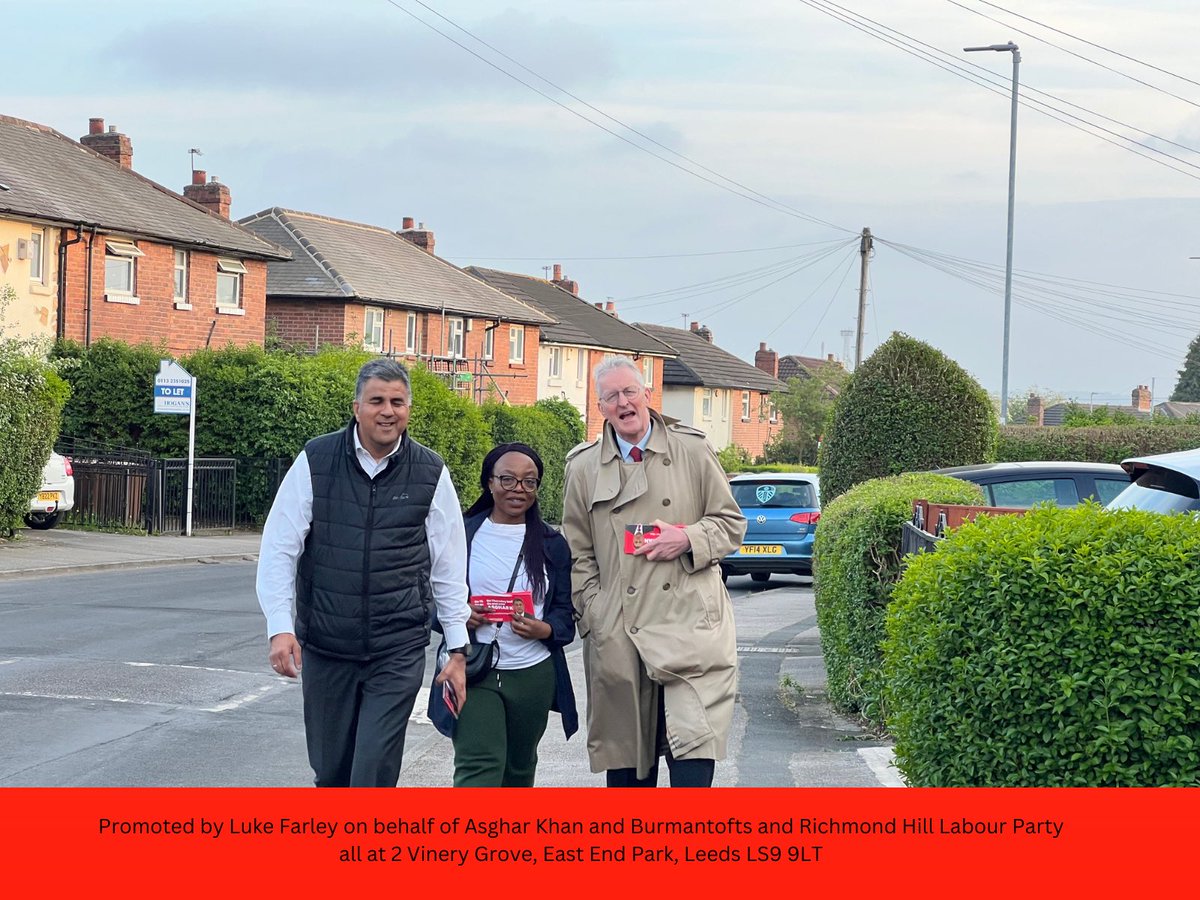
556,362
229,283
410,334
373,329
120,270
774,412
516,343
745,406
37,256
181,279
455,332
648,370
489,342
706,404
581,366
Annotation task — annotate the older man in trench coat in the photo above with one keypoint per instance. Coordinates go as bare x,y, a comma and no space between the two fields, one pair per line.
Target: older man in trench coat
660,654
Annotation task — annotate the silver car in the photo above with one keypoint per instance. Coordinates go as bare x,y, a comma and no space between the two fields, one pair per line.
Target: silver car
1164,483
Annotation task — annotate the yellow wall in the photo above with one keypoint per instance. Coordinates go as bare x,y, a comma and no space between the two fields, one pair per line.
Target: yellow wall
34,313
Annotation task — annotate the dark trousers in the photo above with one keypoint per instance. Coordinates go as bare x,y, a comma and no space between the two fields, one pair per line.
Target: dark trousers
684,772
356,715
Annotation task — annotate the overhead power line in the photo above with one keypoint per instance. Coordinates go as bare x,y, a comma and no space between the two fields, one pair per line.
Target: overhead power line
559,258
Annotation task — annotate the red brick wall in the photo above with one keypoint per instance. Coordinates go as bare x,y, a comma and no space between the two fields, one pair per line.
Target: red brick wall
155,318
753,435
308,323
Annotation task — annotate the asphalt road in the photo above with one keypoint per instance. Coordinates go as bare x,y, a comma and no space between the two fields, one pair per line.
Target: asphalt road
158,677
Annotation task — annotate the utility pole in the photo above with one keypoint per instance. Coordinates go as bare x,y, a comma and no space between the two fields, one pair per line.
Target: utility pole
864,248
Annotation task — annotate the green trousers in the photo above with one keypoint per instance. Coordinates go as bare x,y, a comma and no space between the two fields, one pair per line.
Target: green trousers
504,718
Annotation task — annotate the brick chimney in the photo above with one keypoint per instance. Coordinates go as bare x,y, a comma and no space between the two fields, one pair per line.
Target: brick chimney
767,360
209,193
695,327
611,309
565,283
419,236
1035,411
1142,398
111,144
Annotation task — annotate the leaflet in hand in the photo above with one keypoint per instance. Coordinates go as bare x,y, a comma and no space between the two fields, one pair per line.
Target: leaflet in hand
501,607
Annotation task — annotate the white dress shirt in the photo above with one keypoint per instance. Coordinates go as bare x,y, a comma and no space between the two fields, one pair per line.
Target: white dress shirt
624,446
290,519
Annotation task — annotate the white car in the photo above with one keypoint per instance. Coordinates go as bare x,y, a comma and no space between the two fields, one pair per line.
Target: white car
56,496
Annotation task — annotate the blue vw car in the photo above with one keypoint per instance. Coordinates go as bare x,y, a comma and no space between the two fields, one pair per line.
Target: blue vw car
781,510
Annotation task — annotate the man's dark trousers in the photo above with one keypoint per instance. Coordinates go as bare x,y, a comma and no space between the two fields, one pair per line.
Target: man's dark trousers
356,715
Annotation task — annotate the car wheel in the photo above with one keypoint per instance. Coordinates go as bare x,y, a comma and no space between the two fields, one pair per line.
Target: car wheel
760,577
42,521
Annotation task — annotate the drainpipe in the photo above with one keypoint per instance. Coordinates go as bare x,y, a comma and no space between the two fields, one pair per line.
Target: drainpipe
87,316
60,328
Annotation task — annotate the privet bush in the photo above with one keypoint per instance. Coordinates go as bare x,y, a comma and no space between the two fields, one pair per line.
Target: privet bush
544,431
908,408
31,401
1061,648
856,563
1107,444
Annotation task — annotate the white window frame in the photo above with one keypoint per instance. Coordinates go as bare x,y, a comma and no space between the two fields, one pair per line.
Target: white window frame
774,412
581,366
122,255
373,328
410,333
745,406
489,343
37,255
230,269
648,370
516,343
706,399
556,363
179,283
456,338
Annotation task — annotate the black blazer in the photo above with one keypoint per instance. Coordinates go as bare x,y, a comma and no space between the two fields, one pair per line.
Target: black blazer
557,611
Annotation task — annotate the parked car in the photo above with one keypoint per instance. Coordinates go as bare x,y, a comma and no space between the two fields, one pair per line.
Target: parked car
1022,484
782,510
56,496
1165,483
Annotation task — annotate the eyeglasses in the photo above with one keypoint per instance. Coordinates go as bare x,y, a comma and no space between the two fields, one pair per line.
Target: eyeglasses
510,482
630,393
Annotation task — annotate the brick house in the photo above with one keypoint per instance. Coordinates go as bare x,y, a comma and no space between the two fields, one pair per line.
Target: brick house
584,334
1037,413
102,251
386,291
711,389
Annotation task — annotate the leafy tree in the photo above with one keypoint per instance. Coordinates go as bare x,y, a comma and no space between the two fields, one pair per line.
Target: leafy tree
908,408
805,409
1078,416
1187,389
733,458
565,411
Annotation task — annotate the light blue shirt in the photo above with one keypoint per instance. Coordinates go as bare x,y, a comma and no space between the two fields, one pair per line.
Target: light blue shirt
624,446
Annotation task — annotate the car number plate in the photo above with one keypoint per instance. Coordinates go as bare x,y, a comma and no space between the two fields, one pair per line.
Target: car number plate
762,550
49,495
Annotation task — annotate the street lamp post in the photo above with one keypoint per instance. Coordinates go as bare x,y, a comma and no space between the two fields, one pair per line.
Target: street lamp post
1012,185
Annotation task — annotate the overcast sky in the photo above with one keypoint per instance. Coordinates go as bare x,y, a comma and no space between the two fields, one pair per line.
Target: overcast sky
356,110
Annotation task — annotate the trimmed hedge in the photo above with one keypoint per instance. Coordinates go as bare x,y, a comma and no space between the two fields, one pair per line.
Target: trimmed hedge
1059,648
1106,444
856,563
31,401
771,467
908,408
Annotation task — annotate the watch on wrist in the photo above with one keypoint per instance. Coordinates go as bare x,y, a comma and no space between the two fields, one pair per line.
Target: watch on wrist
461,651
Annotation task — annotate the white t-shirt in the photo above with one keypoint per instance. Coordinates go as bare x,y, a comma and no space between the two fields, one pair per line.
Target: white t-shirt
494,552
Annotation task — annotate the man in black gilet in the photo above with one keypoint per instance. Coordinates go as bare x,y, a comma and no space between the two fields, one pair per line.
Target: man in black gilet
364,537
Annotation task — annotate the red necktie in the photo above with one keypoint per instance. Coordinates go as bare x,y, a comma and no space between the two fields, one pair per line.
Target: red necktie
635,453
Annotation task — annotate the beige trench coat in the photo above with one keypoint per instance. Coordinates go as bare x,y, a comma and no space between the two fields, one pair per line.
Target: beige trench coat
646,623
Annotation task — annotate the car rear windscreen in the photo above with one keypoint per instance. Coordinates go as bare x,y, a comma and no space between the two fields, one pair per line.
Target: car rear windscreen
774,494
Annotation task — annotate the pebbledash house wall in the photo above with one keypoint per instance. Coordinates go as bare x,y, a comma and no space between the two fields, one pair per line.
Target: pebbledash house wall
310,323
156,317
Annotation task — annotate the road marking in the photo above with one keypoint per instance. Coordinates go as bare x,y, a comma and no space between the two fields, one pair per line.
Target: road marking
882,763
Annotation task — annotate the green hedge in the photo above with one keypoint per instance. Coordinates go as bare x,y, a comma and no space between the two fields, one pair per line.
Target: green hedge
1108,444
31,401
856,563
1061,648
908,408
771,467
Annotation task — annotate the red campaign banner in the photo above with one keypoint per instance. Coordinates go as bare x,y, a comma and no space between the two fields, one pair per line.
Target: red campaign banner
886,842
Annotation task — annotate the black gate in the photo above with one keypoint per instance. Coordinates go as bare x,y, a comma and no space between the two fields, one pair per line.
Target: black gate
214,495
110,484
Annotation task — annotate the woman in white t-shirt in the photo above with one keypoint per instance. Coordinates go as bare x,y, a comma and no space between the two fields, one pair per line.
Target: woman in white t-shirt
509,549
